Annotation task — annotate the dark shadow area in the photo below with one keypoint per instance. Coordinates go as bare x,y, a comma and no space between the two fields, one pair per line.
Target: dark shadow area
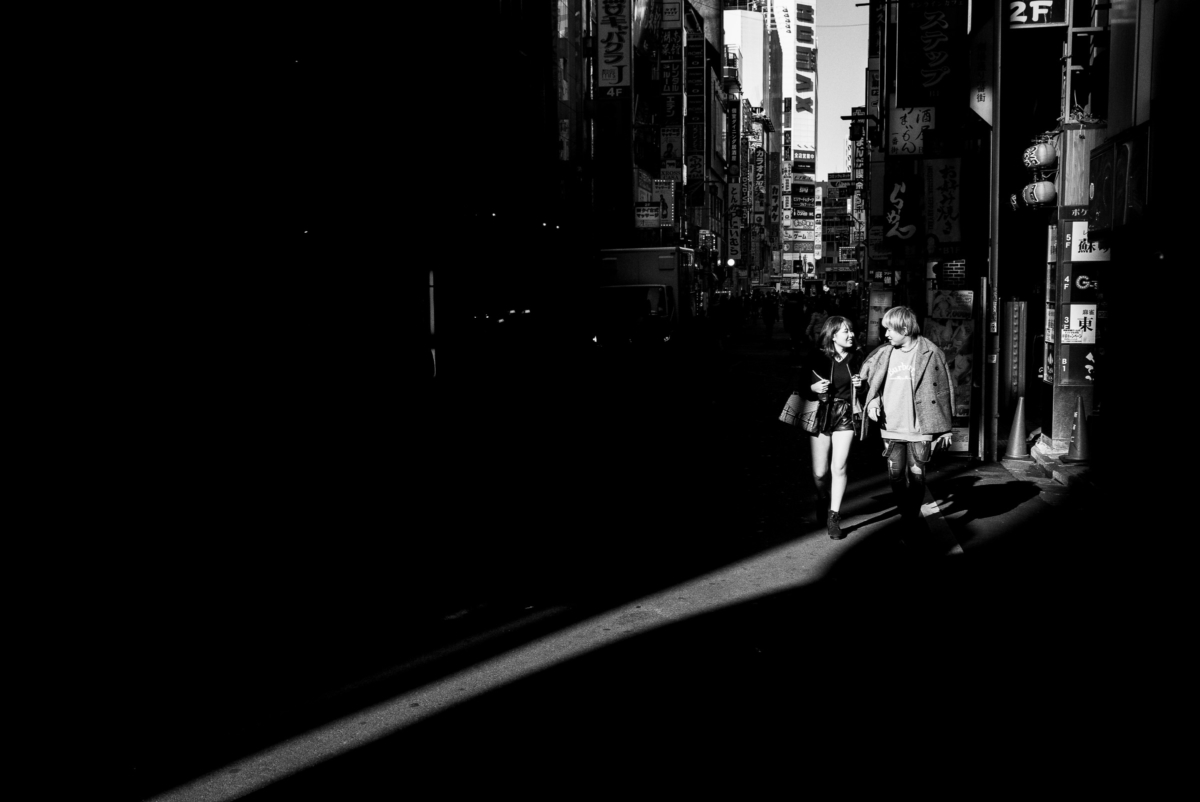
964,494
261,586
300,537
316,576
910,670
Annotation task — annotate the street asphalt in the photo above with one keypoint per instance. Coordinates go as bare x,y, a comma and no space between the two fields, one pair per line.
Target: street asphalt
725,643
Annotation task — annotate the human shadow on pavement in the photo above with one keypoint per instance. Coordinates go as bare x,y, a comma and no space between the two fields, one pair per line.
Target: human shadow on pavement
966,500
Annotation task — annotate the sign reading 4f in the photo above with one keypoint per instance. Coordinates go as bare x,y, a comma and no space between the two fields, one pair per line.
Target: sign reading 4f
1039,13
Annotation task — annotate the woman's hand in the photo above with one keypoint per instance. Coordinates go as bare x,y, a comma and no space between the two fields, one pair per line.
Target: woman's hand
820,387
856,380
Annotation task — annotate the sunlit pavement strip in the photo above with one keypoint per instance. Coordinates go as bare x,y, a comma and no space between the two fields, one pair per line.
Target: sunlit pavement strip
800,562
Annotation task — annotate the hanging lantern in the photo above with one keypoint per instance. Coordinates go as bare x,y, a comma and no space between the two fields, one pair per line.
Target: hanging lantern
1039,193
1041,156
1046,155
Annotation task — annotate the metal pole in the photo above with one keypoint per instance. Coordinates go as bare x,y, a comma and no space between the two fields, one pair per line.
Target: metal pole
992,374
981,412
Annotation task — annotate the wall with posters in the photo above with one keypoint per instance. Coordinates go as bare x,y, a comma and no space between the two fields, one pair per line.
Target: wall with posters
950,325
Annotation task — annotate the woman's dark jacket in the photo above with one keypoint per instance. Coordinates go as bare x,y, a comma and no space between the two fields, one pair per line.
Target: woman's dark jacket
819,362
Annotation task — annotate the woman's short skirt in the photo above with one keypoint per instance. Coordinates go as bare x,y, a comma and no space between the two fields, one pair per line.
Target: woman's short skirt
835,415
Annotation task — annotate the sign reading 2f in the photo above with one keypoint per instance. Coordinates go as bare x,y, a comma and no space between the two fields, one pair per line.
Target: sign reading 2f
1036,13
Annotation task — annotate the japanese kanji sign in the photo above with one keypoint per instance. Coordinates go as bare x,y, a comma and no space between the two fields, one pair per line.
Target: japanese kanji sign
614,50
942,189
1078,324
932,44
908,126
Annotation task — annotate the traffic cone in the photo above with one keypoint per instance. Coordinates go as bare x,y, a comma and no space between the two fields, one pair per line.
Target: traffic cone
1017,448
1078,451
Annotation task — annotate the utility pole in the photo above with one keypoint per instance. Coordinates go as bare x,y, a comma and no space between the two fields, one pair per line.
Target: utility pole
991,299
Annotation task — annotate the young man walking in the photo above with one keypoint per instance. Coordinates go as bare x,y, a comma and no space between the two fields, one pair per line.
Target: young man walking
910,393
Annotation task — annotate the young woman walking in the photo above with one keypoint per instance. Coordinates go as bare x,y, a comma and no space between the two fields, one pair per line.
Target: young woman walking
831,373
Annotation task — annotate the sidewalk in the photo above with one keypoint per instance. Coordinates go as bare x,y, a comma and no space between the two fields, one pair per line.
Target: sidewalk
979,502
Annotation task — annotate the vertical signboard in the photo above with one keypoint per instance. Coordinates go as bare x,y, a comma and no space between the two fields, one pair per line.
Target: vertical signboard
734,236
931,44
671,140
979,65
734,126
1048,347
747,167
903,191
696,105
908,127
670,71
664,193
804,104
1079,247
875,27
614,51
670,68
1078,324
942,188
760,184
873,103
773,206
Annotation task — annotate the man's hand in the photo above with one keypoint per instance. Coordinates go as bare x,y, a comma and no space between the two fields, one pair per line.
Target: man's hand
943,441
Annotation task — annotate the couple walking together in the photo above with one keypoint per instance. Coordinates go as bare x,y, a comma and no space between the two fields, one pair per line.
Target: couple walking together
903,386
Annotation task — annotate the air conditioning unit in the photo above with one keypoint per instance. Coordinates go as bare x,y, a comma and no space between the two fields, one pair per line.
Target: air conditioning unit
730,74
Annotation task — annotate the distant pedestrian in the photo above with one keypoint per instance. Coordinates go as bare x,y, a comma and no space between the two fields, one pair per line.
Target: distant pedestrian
832,373
911,395
769,312
816,323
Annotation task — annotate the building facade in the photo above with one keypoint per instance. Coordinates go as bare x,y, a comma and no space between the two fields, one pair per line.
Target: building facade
1009,160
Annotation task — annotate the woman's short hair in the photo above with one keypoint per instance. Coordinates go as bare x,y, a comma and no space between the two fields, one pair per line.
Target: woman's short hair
832,325
901,319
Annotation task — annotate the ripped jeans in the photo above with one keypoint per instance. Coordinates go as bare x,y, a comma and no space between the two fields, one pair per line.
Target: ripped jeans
906,474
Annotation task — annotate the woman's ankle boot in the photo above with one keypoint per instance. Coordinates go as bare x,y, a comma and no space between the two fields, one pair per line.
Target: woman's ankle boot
835,525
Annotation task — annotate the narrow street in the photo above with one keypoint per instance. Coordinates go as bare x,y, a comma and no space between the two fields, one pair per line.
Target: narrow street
646,590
